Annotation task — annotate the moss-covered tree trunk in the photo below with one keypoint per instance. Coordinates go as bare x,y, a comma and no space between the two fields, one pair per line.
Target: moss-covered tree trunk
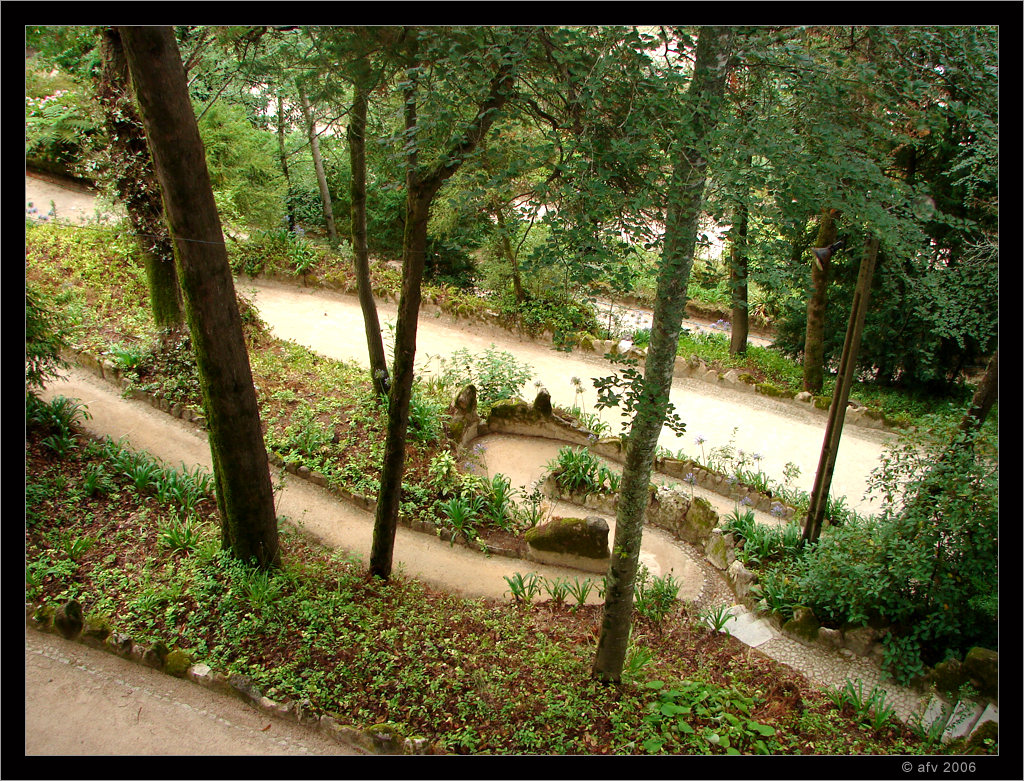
130,174
241,471
685,197
814,340
360,252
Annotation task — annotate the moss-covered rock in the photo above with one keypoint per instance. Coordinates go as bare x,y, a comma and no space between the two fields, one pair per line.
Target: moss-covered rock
586,537
767,389
701,518
822,402
387,738
177,663
982,667
804,626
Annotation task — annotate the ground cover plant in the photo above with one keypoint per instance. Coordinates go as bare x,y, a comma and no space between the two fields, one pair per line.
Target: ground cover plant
473,676
142,574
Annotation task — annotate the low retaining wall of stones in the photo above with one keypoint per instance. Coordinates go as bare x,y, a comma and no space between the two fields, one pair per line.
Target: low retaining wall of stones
540,420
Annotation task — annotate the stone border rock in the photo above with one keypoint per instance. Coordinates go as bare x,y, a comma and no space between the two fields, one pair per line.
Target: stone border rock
379,739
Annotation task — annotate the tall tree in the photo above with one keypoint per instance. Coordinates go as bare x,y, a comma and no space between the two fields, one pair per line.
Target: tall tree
318,163
423,180
814,344
129,170
686,190
240,467
360,251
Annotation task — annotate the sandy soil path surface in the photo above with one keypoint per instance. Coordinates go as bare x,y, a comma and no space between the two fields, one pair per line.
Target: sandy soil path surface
331,324
83,702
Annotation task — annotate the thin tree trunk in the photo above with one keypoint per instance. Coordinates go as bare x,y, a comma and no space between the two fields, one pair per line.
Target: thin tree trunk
738,269
685,197
984,398
135,184
361,255
318,164
241,471
844,379
284,160
506,243
814,341
420,192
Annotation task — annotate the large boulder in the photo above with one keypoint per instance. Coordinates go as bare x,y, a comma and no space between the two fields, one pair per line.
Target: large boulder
581,543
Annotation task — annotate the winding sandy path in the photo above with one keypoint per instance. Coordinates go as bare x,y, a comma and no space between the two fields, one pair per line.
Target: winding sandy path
331,324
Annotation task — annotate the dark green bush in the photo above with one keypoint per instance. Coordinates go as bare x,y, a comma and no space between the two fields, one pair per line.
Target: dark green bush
927,565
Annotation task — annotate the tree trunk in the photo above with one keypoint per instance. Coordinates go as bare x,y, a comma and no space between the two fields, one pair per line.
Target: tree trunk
284,161
318,164
241,472
685,197
135,184
837,410
506,244
361,255
984,397
814,341
738,284
421,187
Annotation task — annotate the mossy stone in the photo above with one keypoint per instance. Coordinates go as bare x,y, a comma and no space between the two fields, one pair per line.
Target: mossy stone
387,738
177,663
982,666
586,537
701,517
803,624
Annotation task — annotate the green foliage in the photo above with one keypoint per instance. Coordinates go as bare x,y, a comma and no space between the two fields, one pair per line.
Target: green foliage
524,588
696,716
871,709
244,171
270,250
462,514
46,334
496,374
563,317
928,564
654,598
57,418
61,129
627,390
578,471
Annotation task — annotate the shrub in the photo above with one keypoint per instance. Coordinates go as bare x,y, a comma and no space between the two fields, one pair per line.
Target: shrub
45,336
927,565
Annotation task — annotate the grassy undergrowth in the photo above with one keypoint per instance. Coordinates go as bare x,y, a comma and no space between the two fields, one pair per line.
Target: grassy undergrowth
473,676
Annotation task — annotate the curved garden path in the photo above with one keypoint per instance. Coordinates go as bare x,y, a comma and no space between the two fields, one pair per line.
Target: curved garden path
331,324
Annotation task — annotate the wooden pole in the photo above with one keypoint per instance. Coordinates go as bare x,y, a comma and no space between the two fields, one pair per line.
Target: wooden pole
837,411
